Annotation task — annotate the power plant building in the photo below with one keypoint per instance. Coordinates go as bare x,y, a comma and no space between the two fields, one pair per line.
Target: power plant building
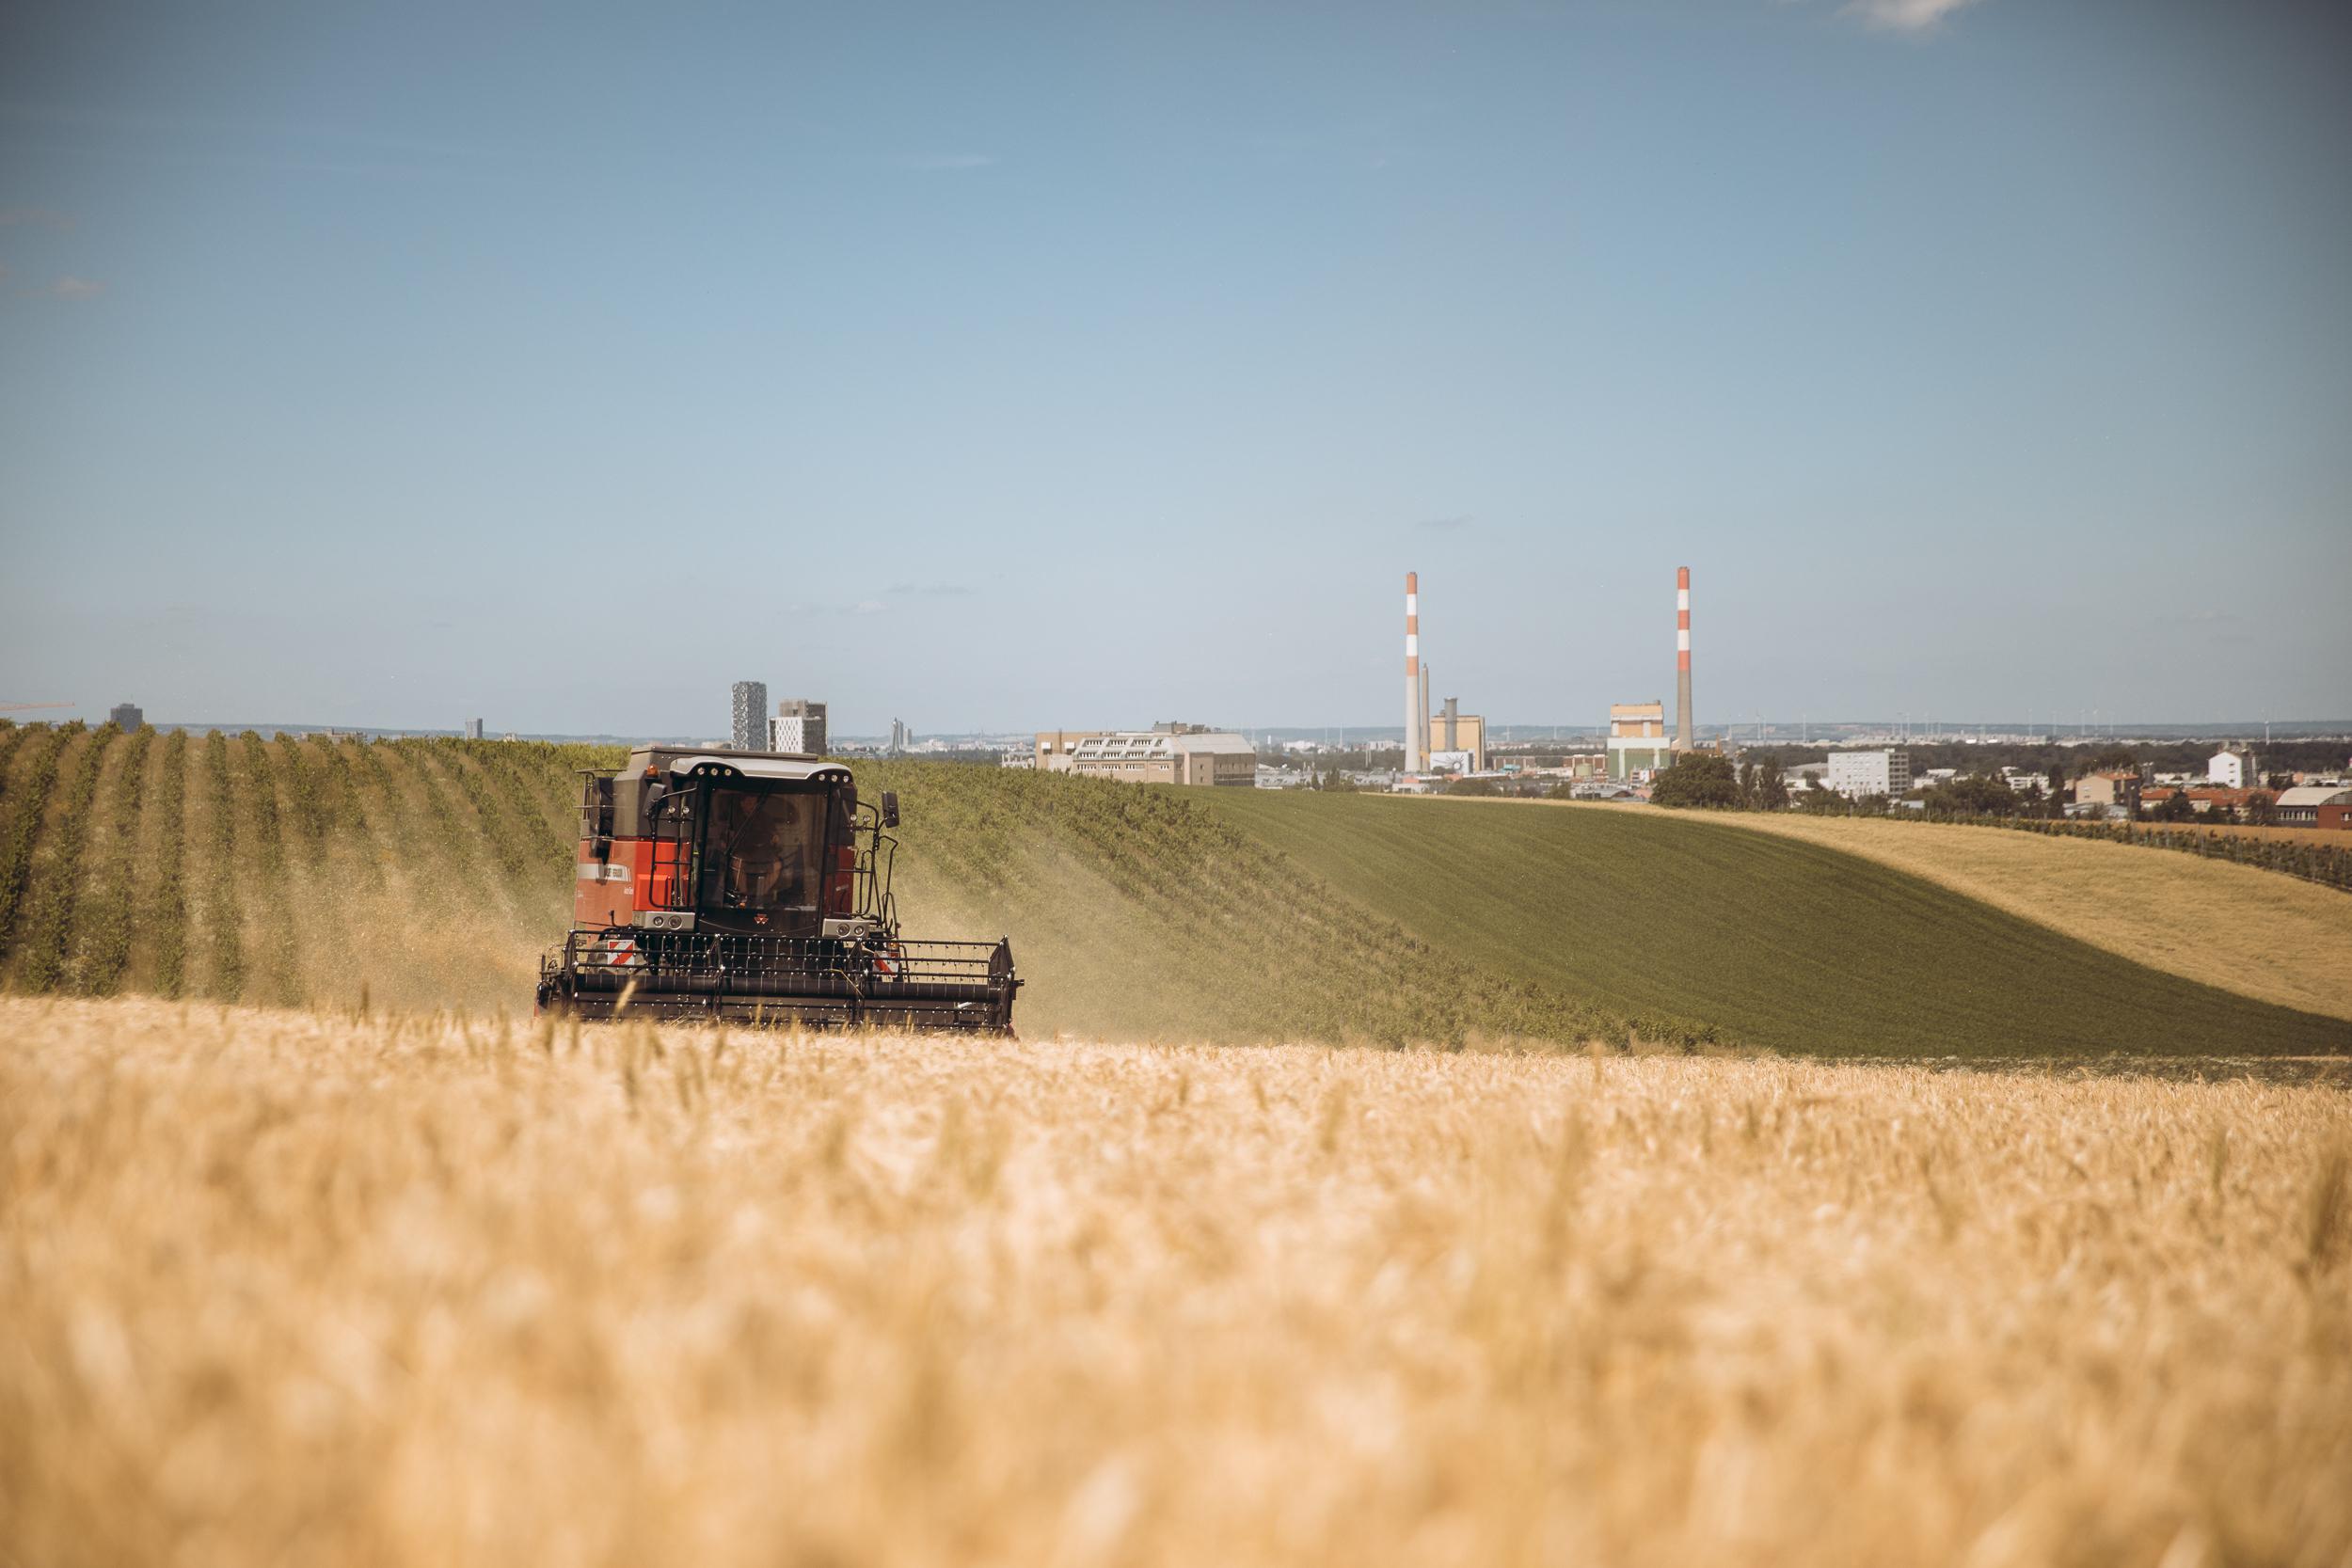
1167,753
798,727
1637,738
1458,740
747,730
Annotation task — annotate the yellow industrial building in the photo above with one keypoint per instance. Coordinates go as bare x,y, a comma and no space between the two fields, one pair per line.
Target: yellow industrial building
1637,738
1458,735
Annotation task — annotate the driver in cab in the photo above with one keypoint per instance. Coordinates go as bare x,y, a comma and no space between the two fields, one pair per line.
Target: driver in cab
759,843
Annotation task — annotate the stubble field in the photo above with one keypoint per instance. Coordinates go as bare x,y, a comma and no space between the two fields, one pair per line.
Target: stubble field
299,1288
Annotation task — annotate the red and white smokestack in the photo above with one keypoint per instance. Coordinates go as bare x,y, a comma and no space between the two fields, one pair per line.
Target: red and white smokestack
1413,673
1683,658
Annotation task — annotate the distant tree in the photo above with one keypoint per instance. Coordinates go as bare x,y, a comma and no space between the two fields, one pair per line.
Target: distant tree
1761,788
2262,808
2277,781
1976,794
1816,800
2115,759
1471,787
1697,779
2176,807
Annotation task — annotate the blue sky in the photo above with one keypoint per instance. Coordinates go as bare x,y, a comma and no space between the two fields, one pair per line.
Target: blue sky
1031,365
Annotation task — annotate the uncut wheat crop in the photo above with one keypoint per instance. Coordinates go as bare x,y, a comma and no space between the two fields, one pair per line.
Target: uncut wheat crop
298,1289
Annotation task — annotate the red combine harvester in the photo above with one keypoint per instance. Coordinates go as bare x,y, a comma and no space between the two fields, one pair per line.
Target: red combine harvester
755,886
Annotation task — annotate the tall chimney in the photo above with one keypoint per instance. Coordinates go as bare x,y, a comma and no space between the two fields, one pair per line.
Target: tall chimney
1413,673
1682,658
1424,710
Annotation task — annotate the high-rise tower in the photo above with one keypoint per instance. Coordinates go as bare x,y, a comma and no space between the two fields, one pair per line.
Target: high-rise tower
747,729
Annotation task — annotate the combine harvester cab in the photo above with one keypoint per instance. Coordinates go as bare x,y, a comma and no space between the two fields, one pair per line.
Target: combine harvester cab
755,887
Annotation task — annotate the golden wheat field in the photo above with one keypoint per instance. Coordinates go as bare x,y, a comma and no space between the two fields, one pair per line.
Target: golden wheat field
297,1289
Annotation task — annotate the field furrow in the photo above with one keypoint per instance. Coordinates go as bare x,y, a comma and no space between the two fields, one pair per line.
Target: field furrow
105,919
163,890
60,865
223,902
32,773
274,948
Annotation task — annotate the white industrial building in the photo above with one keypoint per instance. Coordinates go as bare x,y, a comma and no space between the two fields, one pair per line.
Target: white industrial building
1169,754
1855,774
799,726
1054,748
2232,768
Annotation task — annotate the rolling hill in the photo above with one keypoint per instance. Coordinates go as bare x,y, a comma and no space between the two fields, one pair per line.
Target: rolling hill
2237,926
1770,941
430,874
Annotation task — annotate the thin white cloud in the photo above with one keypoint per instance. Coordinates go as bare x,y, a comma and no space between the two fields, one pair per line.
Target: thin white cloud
1903,16
179,127
872,607
944,160
293,146
76,288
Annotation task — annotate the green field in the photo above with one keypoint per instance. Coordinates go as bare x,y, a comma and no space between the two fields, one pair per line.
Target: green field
431,874
1770,942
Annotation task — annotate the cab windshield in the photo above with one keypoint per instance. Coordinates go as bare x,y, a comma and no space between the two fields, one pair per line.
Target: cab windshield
765,849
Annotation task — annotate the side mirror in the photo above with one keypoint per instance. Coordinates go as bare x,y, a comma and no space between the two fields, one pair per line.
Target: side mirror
890,808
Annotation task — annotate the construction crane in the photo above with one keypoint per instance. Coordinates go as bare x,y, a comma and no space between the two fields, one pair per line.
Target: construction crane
27,708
